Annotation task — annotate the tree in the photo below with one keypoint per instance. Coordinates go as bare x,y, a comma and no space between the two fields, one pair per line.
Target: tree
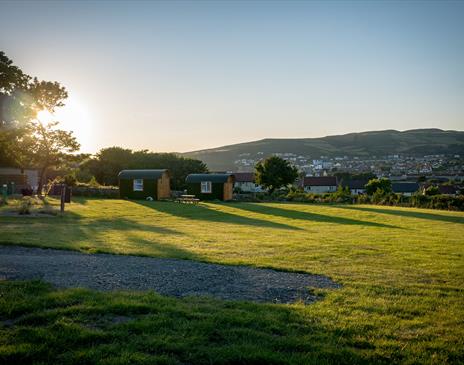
382,185
345,177
107,164
274,173
21,98
46,147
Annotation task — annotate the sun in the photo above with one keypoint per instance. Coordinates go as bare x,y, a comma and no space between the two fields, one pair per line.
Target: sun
44,116
74,117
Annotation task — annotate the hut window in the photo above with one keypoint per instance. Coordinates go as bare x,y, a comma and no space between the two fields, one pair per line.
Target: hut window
138,184
206,187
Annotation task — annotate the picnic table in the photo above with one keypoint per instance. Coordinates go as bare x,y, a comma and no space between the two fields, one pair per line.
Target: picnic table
188,199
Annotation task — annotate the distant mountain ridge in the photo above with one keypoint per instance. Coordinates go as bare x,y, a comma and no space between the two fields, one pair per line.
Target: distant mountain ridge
413,142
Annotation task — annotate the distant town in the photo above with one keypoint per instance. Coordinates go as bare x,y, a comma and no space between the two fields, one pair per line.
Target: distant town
395,167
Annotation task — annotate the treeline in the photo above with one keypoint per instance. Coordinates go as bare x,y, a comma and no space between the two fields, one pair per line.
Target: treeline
106,165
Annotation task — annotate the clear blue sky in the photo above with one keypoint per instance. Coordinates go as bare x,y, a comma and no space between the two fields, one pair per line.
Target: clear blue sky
179,76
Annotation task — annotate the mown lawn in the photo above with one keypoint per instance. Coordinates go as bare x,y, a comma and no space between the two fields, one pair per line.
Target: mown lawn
402,299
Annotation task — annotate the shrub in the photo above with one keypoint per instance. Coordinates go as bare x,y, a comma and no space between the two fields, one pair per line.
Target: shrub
342,195
25,205
363,199
432,190
300,196
419,200
379,196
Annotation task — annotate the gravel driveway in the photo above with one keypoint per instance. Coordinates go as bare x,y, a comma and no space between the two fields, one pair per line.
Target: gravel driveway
171,277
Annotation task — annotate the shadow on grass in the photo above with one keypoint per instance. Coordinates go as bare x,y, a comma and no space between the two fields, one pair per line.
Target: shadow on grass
307,216
204,213
99,235
85,199
147,328
409,214
123,224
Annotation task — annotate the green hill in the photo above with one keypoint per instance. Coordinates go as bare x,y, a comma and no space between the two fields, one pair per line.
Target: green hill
376,143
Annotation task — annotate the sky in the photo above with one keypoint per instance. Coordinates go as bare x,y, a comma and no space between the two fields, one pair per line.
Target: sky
184,75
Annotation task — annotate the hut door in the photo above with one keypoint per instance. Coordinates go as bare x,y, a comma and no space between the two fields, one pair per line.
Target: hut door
163,190
228,188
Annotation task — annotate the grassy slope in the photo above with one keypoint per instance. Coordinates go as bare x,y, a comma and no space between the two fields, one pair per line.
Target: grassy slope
402,271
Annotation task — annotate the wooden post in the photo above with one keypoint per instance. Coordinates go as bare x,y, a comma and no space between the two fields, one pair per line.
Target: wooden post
63,192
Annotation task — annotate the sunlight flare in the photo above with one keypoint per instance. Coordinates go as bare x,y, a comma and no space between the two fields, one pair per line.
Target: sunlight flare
75,117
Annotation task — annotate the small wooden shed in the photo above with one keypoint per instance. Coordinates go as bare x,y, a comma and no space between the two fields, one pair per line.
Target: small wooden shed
211,186
141,184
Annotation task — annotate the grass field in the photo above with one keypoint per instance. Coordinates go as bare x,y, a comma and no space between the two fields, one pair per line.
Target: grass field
402,299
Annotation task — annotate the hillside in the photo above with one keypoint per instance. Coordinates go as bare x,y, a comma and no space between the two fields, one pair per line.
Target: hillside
376,143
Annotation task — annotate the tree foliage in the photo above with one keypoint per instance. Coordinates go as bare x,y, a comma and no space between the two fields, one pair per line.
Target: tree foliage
346,177
108,162
379,186
274,173
21,98
46,146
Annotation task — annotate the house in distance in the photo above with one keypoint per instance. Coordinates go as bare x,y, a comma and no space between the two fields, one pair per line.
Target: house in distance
142,184
211,186
320,184
357,186
405,188
245,182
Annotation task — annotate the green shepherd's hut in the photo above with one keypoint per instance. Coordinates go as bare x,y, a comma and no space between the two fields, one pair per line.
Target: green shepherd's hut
141,184
211,186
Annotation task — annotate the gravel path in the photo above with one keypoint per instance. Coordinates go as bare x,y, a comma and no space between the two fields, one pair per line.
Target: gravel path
171,277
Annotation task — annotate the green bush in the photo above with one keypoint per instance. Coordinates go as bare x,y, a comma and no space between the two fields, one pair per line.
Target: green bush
300,196
419,200
382,184
25,205
432,190
379,196
363,199
342,195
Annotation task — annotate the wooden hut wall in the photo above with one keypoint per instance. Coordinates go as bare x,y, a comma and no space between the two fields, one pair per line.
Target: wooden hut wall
164,186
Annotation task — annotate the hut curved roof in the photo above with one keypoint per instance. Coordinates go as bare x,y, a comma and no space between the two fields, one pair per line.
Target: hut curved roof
141,174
